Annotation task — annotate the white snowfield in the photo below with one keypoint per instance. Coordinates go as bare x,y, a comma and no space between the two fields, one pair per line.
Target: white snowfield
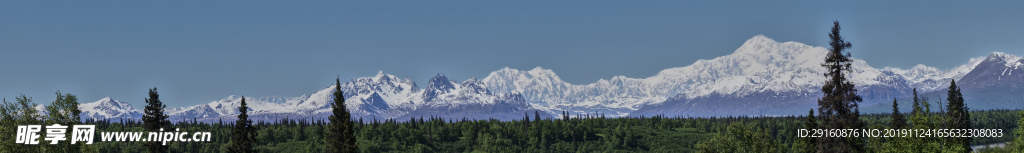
759,65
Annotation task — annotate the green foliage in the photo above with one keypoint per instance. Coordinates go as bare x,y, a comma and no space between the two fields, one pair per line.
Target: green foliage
1018,143
64,111
22,112
740,138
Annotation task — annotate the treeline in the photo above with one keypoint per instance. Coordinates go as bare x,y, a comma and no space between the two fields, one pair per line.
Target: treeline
577,134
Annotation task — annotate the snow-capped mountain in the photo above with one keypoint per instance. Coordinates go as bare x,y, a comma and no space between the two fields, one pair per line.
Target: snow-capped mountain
106,108
996,71
761,68
761,77
469,99
383,96
990,84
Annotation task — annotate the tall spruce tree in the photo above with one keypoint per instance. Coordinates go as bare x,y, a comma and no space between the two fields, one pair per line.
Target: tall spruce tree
958,115
838,108
340,135
536,116
807,144
898,121
244,133
155,120
917,104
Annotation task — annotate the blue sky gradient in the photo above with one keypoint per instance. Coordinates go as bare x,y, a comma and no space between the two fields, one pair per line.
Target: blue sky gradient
201,51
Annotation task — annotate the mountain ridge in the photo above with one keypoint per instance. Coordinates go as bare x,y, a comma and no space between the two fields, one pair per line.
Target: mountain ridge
760,69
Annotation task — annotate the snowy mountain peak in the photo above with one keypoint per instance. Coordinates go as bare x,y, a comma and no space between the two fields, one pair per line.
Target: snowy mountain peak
548,74
110,102
437,85
230,97
756,43
108,108
471,79
472,86
921,66
541,71
440,82
381,77
537,69
1007,59
760,69
759,39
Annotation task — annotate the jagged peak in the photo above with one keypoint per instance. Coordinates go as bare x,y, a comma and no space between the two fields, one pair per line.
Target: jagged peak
440,82
438,77
380,74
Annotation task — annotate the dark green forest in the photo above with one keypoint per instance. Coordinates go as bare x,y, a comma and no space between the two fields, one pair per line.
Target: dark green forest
565,134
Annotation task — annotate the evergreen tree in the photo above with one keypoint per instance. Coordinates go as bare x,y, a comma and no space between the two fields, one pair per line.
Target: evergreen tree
898,121
340,135
244,133
917,104
838,108
806,144
155,120
536,116
958,115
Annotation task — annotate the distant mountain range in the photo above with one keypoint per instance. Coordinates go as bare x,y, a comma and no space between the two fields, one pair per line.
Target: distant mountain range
991,84
761,77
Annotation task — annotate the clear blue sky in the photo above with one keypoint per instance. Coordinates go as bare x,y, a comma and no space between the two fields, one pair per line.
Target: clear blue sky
197,52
